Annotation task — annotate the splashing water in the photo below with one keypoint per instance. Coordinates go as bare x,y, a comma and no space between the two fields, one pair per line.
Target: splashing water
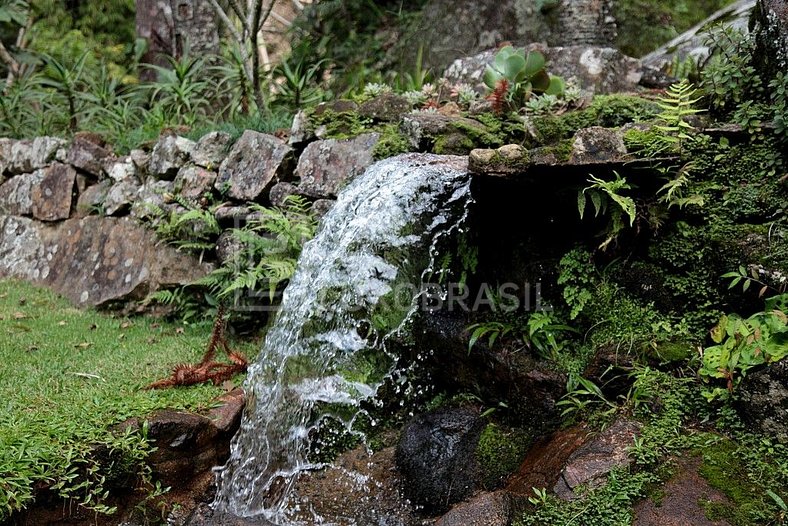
356,283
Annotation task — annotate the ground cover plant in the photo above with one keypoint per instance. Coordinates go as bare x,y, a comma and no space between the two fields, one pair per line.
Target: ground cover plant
70,376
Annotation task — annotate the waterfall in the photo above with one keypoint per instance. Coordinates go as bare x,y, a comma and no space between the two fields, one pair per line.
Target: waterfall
356,283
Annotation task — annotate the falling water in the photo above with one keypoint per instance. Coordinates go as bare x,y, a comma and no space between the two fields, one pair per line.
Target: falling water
327,345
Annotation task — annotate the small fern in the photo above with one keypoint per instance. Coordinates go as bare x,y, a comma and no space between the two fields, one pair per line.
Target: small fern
676,107
607,200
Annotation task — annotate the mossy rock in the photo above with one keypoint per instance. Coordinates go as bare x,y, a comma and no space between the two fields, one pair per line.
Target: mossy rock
499,453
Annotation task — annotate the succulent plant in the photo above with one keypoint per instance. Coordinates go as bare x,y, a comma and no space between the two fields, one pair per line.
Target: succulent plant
521,74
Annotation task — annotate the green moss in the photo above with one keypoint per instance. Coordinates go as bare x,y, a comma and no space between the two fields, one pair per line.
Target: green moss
391,143
671,351
725,471
340,125
609,111
562,150
453,143
499,453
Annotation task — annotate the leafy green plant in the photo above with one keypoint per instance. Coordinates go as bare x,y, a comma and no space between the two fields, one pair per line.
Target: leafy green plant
67,82
188,227
577,276
181,90
514,75
300,83
540,332
607,200
272,242
582,394
743,343
676,106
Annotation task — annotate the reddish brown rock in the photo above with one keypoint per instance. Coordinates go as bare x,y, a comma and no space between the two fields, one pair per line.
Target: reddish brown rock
591,462
193,182
681,504
53,195
484,509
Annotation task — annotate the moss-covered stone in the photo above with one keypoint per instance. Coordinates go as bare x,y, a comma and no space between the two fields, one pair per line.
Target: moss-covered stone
339,125
391,143
609,111
499,453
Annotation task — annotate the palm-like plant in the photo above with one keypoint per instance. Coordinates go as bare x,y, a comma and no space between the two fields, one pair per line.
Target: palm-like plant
182,90
67,84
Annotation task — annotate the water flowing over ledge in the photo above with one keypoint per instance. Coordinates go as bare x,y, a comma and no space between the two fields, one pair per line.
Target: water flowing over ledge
325,353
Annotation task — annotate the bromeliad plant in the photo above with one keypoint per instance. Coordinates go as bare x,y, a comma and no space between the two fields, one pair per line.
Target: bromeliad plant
742,344
515,75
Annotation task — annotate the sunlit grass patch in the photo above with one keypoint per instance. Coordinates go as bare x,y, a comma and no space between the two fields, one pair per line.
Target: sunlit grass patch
68,376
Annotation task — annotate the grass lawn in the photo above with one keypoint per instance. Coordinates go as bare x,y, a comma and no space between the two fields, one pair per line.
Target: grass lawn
68,375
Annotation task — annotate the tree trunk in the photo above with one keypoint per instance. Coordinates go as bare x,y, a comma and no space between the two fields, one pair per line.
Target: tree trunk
173,27
770,28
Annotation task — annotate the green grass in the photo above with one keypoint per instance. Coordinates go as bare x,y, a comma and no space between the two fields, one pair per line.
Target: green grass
69,375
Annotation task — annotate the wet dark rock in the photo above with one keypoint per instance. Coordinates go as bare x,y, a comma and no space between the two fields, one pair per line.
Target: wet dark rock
357,488
531,387
771,36
484,509
88,156
597,145
256,162
590,463
170,153
597,69
193,182
211,149
16,194
94,261
437,457
544,462
385,107
327,165
24,156
53,195
121,196
280,192
763,400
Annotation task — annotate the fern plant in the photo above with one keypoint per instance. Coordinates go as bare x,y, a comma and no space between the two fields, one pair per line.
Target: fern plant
272,242
676,106
608,200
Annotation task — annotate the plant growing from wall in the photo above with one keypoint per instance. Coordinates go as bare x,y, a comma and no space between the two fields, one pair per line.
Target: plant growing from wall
608,201
515,75
744,343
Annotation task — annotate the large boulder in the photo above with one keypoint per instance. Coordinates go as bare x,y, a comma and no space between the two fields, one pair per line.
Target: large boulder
94,261
763,400
256,162
597,69
437,457
53,195
326,166
485,509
